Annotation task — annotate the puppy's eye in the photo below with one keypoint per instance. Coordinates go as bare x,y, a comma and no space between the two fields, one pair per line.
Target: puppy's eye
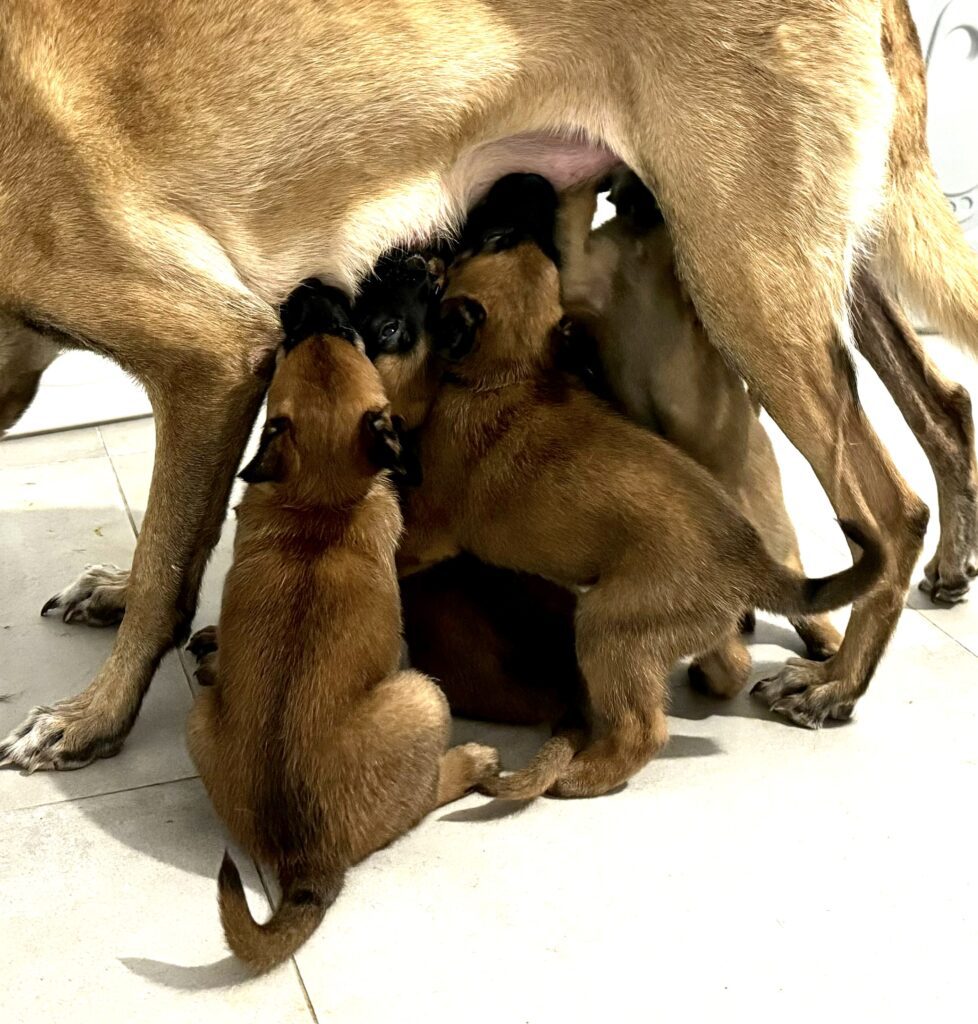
389,330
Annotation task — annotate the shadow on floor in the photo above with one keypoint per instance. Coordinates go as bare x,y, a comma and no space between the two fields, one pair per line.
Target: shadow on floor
223,974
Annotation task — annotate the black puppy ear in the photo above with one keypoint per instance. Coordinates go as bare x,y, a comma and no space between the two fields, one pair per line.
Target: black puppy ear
268,465
383,441
456,326
316,308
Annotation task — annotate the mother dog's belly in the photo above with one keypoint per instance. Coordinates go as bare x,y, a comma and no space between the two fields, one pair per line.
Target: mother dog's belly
409,212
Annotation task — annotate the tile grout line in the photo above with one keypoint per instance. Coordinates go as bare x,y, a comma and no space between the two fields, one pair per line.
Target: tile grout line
923,614
118,484
95,796
295,962
305,991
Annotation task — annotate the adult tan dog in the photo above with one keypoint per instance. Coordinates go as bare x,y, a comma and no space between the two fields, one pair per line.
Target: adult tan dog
169,170
314,749
526,469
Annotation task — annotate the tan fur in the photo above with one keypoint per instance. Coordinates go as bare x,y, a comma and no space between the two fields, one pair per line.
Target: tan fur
666,375
24,356
169,170
527,470
315,750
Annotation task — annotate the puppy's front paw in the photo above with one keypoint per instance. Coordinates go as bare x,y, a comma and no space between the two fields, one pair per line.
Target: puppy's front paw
96,598
203,642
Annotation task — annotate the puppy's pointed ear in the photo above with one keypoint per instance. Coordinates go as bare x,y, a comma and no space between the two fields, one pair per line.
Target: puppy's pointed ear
384,442
268,465
456,326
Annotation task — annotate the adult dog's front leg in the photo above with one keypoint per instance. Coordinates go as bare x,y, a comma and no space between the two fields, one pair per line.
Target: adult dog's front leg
939,414
203,416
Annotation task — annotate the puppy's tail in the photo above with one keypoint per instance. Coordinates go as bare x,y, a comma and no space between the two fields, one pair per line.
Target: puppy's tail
548,764
786,592
263,946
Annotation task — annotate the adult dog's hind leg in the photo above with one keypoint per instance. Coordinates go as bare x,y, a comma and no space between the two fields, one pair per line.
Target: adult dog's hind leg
763,245
762,499
939,414
724,670
205,396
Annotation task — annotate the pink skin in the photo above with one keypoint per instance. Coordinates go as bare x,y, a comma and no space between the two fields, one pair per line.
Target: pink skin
562,160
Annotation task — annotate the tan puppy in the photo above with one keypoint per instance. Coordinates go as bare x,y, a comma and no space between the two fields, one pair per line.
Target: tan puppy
315,750
527,470
170,168
666,374
500,644
662,370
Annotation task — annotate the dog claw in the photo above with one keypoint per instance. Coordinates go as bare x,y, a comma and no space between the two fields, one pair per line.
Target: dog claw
804,693
42,742
96,598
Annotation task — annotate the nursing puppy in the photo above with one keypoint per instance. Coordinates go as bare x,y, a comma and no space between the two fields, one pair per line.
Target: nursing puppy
661,369
315,750
527,470
665,372
500,644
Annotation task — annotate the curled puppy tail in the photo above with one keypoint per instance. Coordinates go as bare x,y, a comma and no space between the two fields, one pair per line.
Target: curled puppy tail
263,946
548,764
787,592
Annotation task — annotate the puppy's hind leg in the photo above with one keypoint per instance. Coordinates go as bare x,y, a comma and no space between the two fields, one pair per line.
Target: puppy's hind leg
625,661
722,671
463,769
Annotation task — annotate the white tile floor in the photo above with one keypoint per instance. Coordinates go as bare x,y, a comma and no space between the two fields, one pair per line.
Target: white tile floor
754,870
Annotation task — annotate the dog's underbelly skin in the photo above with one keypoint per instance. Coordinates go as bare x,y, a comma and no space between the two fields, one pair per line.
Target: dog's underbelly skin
421,208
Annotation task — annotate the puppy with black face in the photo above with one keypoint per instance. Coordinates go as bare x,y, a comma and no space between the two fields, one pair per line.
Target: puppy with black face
393,316
526,469
314,748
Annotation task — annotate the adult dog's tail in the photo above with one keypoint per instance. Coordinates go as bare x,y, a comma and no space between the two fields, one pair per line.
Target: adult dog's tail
927,259
263,946
923,254
787,592
542,772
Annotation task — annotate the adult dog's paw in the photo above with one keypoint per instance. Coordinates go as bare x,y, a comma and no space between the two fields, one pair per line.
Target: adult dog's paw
948,584
805,693
96,598
60,738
